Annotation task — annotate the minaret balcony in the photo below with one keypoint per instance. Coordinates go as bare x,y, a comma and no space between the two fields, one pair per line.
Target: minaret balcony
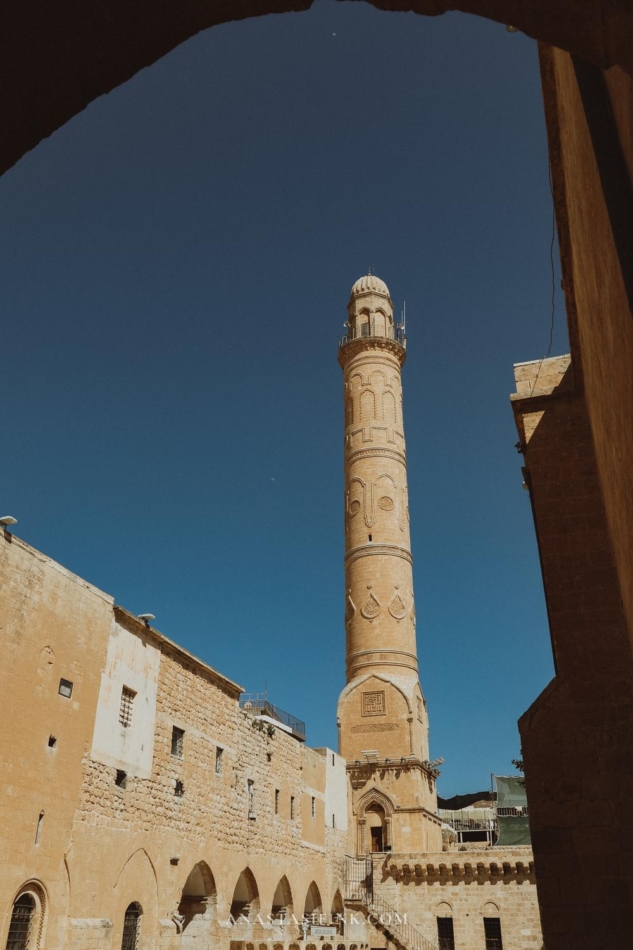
366,332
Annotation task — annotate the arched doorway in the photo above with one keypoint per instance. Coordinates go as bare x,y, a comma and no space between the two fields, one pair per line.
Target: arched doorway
376,827
197,904
313,905
282,901
245,897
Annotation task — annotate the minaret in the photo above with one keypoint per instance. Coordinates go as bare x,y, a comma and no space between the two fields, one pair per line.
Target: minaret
383,726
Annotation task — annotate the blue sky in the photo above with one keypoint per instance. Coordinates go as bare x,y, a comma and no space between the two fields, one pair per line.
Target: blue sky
175,267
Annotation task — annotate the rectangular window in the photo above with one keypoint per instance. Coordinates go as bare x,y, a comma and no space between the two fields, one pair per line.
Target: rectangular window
177,742
292,806
125,709
445,935
251,798
492,929
333,759
120,779
276,801
334,821
65,688
218,760
313,807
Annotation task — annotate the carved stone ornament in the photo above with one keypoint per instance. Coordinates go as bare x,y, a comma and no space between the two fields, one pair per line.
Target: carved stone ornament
386,503
354,507
350,607
413,617
397,607
371,608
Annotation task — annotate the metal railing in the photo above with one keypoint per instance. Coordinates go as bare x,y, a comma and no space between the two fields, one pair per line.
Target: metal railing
258,704
368,330
359,889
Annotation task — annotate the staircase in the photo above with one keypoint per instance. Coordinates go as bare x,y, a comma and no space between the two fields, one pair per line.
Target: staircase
359,890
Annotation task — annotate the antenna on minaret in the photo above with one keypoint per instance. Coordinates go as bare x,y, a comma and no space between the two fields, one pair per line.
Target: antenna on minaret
403,316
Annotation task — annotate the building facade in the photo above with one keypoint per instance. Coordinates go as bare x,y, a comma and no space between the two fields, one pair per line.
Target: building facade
143,806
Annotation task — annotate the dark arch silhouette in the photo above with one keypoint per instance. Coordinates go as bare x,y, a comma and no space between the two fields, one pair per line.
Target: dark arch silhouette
57,56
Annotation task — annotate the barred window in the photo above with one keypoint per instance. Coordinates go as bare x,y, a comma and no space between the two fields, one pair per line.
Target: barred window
445,934
177,742
132,927
23,918
127,704
492,928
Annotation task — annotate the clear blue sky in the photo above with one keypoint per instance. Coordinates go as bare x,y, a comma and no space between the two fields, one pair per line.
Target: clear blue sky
175,267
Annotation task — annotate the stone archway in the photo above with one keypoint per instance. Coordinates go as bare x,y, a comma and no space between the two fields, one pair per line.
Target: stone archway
197,908
59,57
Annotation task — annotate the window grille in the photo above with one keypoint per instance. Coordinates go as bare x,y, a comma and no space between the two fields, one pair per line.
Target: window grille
127,704
132,927
177,742
445,934
22,921
492,928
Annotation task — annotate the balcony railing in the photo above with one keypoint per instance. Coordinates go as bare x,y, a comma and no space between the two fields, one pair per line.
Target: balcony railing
369,330
259,705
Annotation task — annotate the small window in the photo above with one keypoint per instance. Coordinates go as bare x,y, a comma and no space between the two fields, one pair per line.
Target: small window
132,927
492,929
179,789
276,801
126,707
65,688
313,812
23,917
251,798
292,806
218,760
177,742
445,935
52,742
334,821
333,759
38,830
120,779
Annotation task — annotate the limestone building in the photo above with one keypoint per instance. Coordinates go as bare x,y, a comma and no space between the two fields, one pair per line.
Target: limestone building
145,806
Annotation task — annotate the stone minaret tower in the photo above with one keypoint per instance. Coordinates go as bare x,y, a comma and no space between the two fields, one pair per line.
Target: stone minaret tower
383,726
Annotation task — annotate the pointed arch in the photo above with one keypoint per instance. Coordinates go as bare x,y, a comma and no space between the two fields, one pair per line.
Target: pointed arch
367,405
282,900
245,895
375,796
313,904
28,915
355,683
337,914
197,901
389,407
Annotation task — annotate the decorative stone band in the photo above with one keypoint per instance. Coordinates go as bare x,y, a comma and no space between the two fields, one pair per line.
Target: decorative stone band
359,661
351,455
463,868
368,343
368,550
